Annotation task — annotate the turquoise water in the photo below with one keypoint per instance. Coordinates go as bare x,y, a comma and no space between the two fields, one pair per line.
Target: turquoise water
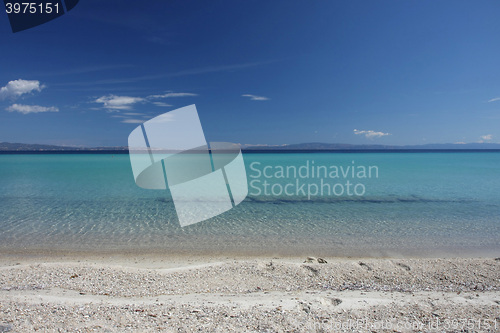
414,204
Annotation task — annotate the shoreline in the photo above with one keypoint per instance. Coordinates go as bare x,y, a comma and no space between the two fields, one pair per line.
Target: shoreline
204,250
223,293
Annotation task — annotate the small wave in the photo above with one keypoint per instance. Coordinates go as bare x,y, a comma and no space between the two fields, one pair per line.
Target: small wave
377,200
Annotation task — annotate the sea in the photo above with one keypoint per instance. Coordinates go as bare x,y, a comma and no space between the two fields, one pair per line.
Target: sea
335,204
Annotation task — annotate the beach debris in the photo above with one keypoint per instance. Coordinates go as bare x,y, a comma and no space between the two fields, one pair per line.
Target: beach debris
362,264
336,301
305,307
406,267
313,259
312,269
497,259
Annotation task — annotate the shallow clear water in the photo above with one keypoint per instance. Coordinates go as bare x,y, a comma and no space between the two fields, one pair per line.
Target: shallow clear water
421,204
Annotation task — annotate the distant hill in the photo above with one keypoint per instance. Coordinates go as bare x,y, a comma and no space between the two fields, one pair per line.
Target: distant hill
345,146
23,147
26,147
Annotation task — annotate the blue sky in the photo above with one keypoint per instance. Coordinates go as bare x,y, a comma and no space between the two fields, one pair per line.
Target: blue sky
259,72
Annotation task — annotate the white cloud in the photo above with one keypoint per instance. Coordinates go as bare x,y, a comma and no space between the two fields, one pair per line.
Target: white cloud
161,104
16,88
133,114
172,94
124,103
26,109
255,98
371,134
114,102
133,121
494,99
487,137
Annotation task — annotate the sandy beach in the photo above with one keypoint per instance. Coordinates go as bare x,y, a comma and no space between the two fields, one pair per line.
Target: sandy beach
247,294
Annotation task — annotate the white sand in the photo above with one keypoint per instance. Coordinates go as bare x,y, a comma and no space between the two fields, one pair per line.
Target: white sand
187,294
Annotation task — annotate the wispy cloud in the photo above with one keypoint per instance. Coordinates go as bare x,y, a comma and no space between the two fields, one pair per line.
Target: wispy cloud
170,94
494,99
255,97
133,121
26,109
84,69
113,102
133,114
117,103
193,71
485,138
371,134
161,104
17,88
214,69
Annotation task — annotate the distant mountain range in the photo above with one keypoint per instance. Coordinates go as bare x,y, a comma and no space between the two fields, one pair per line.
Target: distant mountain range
22,147
345,146
26,147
